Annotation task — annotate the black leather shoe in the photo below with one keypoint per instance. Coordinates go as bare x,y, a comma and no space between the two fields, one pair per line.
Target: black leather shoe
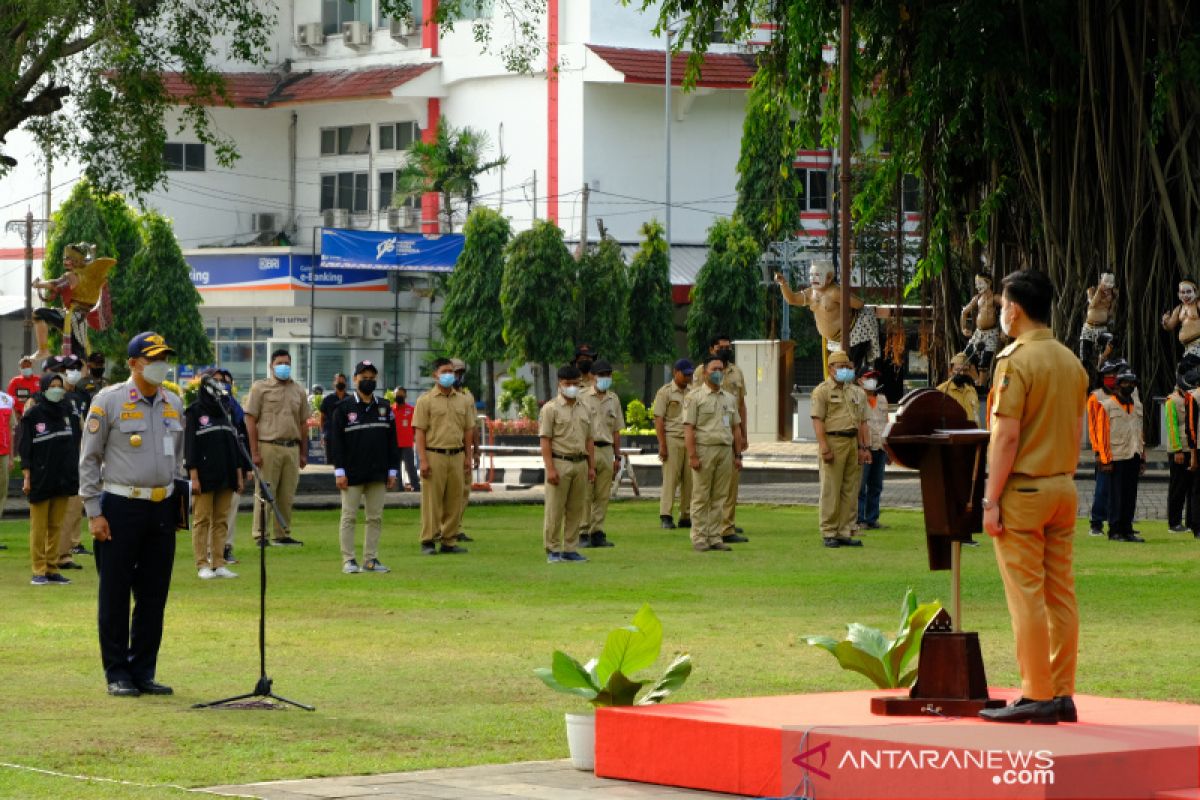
600,539
585,540
462,537
69,565
428,550
667,524
1066,709
1038,712
152,687
123,689
833,543
850,543
736,529
733,538
685,522
1125,537
454,549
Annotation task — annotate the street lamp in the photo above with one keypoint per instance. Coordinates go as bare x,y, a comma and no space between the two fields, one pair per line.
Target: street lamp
668,31
28,229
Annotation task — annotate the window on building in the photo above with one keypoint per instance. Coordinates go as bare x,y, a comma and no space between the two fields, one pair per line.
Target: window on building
476,9
815,183
179,157
387,191
348,190
911,193
398,135
415,16
335,12
348,140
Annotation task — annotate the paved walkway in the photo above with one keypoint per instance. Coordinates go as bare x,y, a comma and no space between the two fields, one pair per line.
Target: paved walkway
543,780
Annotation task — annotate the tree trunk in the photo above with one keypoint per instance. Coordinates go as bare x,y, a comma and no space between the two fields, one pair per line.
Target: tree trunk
490,392
647,390
546,381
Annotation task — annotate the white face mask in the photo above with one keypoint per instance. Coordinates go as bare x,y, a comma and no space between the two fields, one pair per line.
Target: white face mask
155,372
570,392
73,376
1005,322
870,384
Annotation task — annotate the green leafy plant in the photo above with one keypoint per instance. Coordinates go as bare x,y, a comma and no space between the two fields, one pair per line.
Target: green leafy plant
529,407
638,417
607,680
868,651
512,393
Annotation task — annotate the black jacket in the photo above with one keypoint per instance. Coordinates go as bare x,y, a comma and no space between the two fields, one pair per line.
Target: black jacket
49,449
210,445
363,440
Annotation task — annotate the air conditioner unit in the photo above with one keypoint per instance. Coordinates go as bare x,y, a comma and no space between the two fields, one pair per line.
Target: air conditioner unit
356,34
375,329
360,221
349,326
310,35
264,222
403,219
400,29
336,218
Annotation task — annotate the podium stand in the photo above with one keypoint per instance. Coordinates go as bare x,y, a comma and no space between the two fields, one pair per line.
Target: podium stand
932,434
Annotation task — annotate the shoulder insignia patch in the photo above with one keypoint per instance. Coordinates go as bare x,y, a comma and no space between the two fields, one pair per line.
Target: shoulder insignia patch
96,410
129,406
93,425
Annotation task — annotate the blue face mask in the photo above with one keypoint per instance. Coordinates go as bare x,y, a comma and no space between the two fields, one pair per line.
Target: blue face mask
446,380
603,384
716,376
844,374
282,371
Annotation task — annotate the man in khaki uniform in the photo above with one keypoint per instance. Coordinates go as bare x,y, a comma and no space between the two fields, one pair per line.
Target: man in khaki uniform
839,415
442,433
961,386
277,427
672,452
607,422
735,383
565,428
468,401
1030,502
713,436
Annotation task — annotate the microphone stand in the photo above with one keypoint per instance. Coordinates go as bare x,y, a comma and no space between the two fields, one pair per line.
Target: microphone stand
262,689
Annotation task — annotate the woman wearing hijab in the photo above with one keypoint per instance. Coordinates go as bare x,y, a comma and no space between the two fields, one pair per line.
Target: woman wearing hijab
49,450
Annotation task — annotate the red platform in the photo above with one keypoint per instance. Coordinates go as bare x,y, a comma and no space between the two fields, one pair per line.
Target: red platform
831,746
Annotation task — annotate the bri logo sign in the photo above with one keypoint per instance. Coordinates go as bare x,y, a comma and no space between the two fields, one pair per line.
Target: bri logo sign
401,247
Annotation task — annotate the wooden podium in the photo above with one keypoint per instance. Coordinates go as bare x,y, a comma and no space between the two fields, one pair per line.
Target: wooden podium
932,434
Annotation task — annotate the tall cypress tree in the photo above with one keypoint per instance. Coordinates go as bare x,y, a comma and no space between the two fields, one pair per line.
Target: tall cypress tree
603,301
652,338
729,296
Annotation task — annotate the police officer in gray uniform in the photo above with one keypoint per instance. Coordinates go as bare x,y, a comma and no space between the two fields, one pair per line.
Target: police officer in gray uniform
132,453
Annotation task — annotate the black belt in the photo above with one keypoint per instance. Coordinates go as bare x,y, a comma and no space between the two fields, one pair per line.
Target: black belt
570,458
282,442
841,433
602,444
444,452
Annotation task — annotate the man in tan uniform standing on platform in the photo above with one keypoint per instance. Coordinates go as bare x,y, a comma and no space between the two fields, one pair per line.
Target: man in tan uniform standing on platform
565,428
672,452
277,427
468,401
961,386
839,415
713,436
1030,502
607,422
734,382
442,434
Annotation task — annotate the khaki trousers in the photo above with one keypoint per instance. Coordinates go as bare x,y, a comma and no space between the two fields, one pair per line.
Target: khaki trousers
45,519
595,496
231,528
281,469
730,507
710,487
441,498
210,521
70,532
676,474
1034,556
564,506
371,495
840,482
467,477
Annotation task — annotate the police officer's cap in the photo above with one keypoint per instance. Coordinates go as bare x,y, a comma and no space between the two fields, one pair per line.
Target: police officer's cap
1126,375
602,367
569,372
838,357
72,361
457,363
363,366
685,366
1113,366
149,345
55,364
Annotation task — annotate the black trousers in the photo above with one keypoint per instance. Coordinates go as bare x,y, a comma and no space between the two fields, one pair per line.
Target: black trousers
138,560
1183,491
408,457
1122,495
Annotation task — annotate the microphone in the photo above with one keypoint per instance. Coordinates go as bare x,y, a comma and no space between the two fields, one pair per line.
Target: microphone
214,386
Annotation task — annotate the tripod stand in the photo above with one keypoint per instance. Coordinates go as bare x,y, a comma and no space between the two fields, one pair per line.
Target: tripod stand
262,689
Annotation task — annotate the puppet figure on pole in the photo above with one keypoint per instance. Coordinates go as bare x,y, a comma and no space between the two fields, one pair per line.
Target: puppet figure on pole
824,298
83,291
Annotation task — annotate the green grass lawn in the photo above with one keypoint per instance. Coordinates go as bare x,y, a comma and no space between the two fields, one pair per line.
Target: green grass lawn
430,666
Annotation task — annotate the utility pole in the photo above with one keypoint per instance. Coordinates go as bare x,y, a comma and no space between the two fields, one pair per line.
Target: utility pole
28,229
583,226
844,174
535,195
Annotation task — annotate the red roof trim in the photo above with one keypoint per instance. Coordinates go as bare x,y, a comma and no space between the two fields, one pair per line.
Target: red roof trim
720,70
268,90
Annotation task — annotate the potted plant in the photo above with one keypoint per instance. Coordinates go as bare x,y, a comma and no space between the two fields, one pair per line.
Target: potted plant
608,680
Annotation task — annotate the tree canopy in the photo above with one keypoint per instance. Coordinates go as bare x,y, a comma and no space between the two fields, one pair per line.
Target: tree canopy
729,296
652,338
450,165
603,288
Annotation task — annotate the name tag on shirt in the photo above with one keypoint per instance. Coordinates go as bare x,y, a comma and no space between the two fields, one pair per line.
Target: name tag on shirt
168,445
725,420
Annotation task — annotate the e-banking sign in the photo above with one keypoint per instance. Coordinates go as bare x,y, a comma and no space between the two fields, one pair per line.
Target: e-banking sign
375,250
276,271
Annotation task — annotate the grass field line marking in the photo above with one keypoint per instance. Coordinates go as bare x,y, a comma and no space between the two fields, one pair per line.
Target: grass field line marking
96,779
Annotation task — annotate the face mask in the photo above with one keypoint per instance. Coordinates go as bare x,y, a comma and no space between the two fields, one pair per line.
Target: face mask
155,372
603,384
228,387
73,376
458,381
844,374
97,372
282,372
401,398
725,354
446,380
570,392
961,380
340,386
55,393
366,386
870,384
1110,383
27,371
715,377
1006,324
585,367
1126,391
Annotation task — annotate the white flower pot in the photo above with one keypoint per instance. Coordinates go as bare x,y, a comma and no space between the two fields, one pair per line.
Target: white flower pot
581,740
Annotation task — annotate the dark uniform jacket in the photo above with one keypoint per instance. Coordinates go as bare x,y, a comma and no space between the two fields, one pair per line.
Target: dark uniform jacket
49,449
210,446
363,440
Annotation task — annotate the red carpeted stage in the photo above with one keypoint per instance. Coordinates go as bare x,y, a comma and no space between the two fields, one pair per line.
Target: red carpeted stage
831,746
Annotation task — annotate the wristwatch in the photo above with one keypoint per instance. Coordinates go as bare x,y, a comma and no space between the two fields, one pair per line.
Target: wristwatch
988,505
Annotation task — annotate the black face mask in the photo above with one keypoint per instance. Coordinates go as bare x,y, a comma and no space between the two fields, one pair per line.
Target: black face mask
961,380
96,372
340,386
366,386
725,354
585,367
458,382
400,398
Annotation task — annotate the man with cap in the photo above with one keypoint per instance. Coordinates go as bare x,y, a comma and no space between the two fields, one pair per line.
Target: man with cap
712,433
1120,446
132,454
839,415
24,384
92,380
871,487
565,431
585,357
277,428
442,434
672,451
70,534
1095,414
961,386
467,398
734,382
329,402
607,422
366,463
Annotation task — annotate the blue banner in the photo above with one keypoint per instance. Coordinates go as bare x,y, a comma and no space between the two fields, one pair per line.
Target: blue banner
375,250
275,271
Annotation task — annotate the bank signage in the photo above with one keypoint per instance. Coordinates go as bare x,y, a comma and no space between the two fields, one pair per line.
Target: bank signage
378,250
214,272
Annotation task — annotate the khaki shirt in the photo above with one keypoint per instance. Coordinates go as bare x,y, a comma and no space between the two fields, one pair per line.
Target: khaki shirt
1042,384
668,404
712,414
840,407
605,408
444,418
965,396
734,381
1126,436
280,410
568,426
877,420
131,440
468,401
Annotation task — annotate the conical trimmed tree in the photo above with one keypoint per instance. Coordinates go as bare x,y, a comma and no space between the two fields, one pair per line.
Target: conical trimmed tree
652,339
729,296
